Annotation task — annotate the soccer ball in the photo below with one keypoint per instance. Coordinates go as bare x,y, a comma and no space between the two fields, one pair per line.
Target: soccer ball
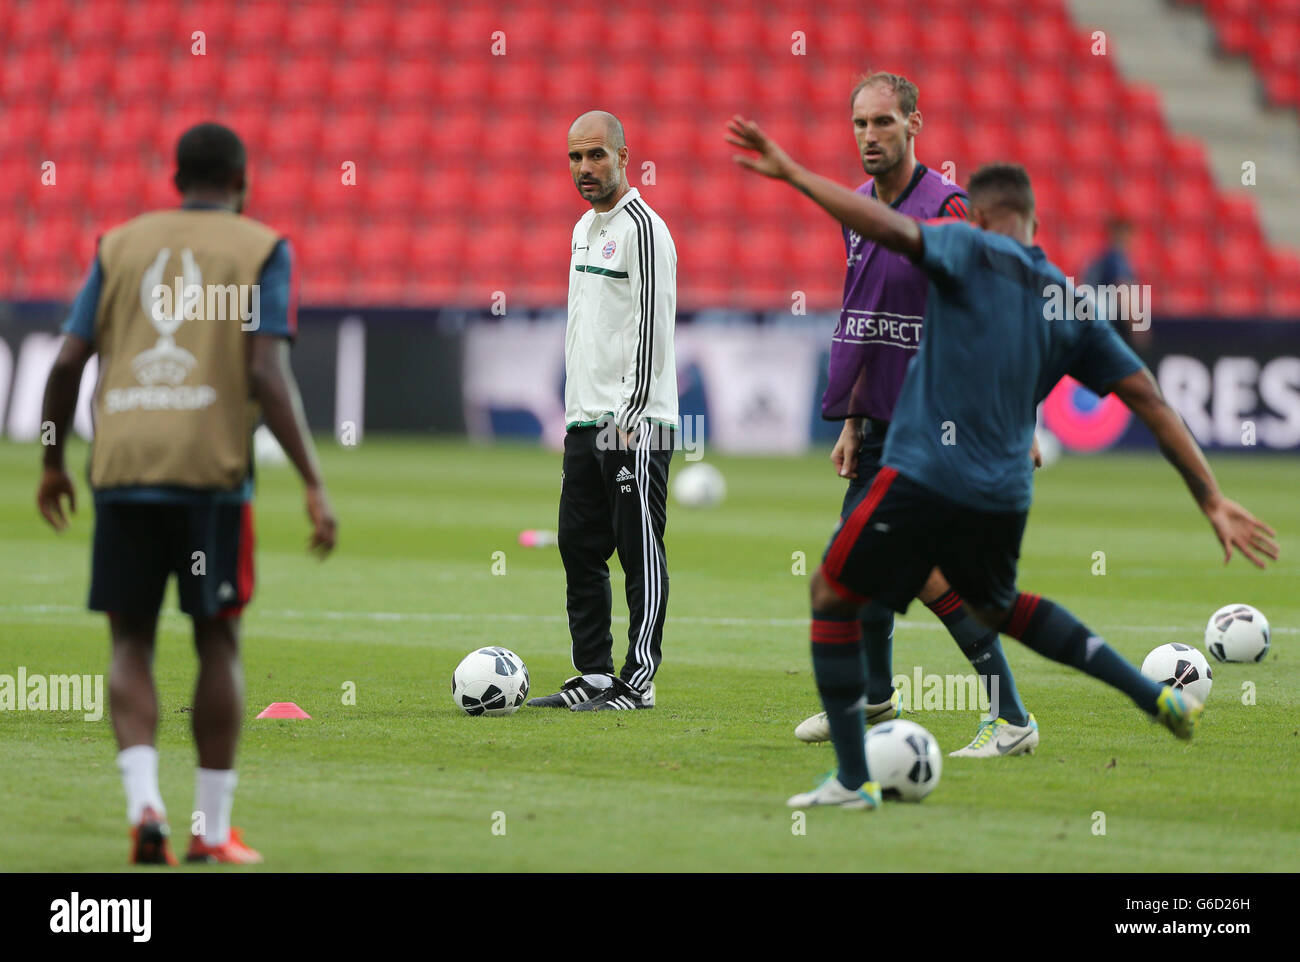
1237,633
1180,666
266,449
699,486
904,759
490,681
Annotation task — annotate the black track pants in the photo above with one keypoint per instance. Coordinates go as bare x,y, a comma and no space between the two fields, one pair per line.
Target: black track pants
614,498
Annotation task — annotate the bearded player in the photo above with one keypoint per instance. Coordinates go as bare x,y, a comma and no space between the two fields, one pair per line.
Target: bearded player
877,336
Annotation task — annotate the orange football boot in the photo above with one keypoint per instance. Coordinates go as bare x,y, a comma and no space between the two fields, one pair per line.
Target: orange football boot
233,852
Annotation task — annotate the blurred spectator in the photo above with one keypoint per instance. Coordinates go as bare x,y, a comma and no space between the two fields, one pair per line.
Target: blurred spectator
1113,267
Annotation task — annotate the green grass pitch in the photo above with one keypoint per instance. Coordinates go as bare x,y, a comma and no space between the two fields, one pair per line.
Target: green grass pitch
402,781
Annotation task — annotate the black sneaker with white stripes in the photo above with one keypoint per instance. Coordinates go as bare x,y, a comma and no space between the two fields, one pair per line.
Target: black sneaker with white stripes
572,693
621,697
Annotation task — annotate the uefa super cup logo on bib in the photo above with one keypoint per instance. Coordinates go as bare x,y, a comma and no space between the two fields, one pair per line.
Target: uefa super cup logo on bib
163,369
166,363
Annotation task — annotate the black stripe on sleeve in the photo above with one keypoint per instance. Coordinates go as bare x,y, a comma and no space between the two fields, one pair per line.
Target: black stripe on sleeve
645,347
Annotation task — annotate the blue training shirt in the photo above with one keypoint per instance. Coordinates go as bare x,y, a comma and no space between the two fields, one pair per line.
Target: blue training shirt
964,422
275,320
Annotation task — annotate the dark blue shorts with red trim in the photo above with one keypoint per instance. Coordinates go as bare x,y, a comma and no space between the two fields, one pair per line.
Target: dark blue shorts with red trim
884,548
138,546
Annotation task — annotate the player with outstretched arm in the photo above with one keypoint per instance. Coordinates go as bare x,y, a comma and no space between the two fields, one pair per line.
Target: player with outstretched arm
990,354
879,330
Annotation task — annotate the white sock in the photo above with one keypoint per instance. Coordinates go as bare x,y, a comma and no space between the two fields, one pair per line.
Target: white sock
139,767
598,681
214,796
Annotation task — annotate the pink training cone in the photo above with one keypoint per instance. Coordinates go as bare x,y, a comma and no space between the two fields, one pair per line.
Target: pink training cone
536,538
283,709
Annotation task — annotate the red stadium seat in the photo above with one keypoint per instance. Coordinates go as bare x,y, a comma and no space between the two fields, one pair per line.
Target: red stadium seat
83,74
1241,296
293,133
632,34
1189,296
369,30
253,82
404,135
682,29
944,90
16,176
386,244
438,247
1039,149
409,82
994,84
1098,91
995,39
215,18
680,85
1142,147
1043,37
139,78
261,25
28,73
357,81
347,134
441,133
313,26
303,79
38,24
417,28
121,178
1044,99
1283,293
1281,47
72,129
470,30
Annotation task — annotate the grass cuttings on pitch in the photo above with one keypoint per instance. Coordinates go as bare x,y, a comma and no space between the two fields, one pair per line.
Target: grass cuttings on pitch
402,781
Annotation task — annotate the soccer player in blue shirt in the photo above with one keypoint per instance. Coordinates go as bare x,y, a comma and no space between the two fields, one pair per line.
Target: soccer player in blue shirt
957,482
875,340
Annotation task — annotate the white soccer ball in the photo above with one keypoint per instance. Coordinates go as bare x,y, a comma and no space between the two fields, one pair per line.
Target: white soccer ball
1237,633
490,681
1180,666
1049,447
904,759
266,449
699,486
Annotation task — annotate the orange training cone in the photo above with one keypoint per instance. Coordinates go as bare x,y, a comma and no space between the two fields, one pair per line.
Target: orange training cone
283,709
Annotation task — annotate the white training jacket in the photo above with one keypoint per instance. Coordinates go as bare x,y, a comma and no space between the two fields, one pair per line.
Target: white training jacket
618,345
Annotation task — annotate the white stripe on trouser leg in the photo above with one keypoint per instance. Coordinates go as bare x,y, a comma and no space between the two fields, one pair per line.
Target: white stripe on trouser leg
649,594
649,573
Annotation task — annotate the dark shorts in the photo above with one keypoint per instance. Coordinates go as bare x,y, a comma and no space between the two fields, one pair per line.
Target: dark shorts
137,547
869,454
898,531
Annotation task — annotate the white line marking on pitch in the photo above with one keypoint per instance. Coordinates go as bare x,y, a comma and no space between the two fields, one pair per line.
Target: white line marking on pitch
432,616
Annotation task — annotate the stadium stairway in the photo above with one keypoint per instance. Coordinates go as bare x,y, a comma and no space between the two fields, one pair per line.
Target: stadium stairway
1207,97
